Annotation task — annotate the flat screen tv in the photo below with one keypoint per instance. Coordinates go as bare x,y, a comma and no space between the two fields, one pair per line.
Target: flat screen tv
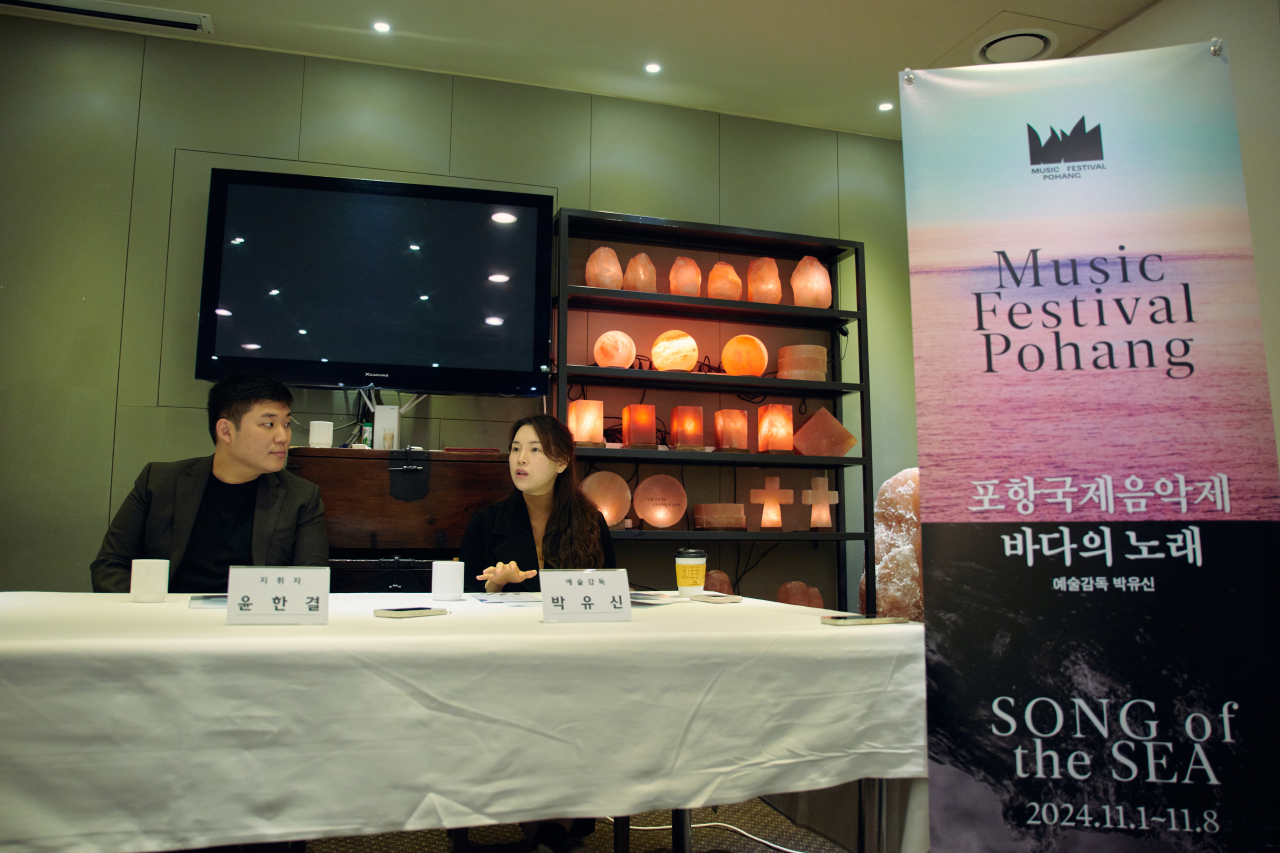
331,282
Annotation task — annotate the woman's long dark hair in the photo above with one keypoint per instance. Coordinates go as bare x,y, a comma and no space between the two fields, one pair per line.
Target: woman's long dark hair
572,538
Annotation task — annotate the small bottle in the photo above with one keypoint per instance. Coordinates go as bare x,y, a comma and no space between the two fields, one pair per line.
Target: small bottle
366,435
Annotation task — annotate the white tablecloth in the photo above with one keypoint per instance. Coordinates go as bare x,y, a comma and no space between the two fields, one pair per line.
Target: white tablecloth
129,727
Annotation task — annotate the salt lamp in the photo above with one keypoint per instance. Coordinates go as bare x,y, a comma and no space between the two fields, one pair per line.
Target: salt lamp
775,428
811,284
686,427
615,349
660,500
641,275
674,350
639,426
772,497
686,278
610,494
800,594
720,517
731,429
717,581
603,269
823,435
819,498
803,351
897,529
723,282
763,283
815,598
744,355
586,422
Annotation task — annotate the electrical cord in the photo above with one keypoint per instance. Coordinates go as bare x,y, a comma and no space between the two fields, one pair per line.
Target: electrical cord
718,825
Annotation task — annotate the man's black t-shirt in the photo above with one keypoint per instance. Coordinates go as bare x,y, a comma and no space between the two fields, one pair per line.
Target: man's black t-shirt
222,537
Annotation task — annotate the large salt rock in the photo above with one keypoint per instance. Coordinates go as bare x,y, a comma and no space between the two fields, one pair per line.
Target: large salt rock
717,581
641,275
823,435
899,588
686,277
603,269
811,284
723,282
763,283
800,593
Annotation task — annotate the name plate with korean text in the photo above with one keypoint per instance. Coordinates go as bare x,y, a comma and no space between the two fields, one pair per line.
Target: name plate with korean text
585,595
274,595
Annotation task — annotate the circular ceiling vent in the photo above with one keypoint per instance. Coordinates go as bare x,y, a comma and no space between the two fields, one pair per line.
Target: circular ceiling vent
1015,46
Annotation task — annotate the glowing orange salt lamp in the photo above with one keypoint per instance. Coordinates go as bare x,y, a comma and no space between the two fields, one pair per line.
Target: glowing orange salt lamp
686,277
603,269
615,349
641,275
744,355
639,426
674,350
823,435
723,282
686,427
819,498
586,422
661,500
763,283
775,428
811,284
731,429
610,494
772,496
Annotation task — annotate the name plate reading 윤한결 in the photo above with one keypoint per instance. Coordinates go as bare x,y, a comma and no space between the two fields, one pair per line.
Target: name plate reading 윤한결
585,595
275,595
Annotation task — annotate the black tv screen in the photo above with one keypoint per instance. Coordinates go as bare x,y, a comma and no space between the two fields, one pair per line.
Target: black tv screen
330,282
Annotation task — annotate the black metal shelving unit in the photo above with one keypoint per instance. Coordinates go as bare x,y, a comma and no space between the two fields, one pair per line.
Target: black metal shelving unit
570,296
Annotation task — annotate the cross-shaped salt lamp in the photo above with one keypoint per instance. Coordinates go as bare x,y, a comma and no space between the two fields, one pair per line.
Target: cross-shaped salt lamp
586,422
731,430
686,427
820,499
639,426
772,497
775,428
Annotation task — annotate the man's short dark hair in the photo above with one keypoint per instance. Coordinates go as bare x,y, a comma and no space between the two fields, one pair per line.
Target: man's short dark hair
233,397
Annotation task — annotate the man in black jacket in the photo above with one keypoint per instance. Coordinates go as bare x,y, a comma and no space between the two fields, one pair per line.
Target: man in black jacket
236,507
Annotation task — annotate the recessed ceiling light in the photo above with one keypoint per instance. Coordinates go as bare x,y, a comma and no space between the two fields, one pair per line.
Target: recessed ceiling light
435,364
424,298
215,358
382,27
237,241
504,218
414,248
302,331
499,278
324,359
885,107
653,68
273,293
222,312
251,346
493,321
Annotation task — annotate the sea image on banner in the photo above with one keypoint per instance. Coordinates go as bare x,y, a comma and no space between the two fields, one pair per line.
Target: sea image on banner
1099,487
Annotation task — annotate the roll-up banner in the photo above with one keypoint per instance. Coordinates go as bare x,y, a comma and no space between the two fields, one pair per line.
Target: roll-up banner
1099,490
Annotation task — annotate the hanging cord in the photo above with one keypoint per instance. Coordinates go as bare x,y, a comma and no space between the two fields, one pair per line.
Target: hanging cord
717,825
756,564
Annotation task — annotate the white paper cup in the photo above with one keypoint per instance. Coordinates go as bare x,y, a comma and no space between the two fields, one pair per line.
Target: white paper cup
446,580
691,571
321,434
149,580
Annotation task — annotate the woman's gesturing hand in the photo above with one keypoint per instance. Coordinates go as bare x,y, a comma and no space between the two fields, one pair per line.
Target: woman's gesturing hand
496,577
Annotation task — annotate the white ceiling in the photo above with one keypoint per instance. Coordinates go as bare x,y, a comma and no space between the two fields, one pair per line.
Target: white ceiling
820,63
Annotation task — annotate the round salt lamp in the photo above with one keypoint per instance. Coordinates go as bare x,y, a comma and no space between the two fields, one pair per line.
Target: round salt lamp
763,283
641,275
615,349
686,277
744,355
675,350
723,282
811,284
660,500
611,495
603,269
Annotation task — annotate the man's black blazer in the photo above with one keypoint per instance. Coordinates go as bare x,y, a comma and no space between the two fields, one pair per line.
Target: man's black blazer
157,517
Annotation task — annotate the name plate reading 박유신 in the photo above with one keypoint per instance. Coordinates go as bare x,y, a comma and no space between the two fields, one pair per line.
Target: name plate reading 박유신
274,595
585,595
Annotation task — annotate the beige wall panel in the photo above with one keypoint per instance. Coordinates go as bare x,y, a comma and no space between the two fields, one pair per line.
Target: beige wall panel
181,294
374,116
68,117
474,433
206,98
655,160
873,210
524,135
778,177
152,434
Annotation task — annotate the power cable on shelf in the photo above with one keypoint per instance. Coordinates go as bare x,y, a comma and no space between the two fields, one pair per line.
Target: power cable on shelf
717,825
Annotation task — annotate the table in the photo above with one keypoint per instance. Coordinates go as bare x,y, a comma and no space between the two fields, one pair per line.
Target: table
128,727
